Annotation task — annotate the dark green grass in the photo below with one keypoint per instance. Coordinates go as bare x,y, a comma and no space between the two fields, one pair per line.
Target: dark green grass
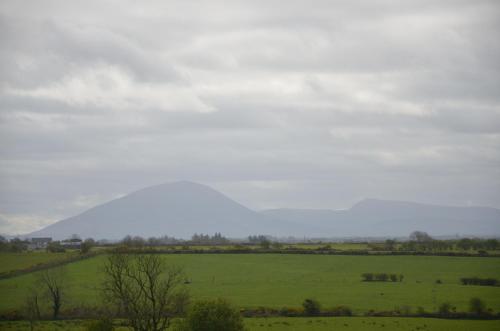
274,280
304,324
367,324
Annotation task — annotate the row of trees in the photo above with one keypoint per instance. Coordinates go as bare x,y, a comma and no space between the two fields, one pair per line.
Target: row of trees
264,242
480,281
15,245
421,241
58,247
257,239
137,241
216,239
478,244
381,277
477,307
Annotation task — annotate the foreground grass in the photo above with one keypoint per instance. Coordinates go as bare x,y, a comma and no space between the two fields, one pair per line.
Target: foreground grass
275,280
303,324
367,324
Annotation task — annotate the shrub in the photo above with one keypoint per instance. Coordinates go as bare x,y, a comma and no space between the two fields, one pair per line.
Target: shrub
87,245
212,315
290,312
311,307
341,311
325,248
104,324
381,277
477,306
55,247
367,277
393,277
445,308
403,310
421,311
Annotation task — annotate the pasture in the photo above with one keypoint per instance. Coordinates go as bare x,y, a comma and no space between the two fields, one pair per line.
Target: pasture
18,261
302,324
280,280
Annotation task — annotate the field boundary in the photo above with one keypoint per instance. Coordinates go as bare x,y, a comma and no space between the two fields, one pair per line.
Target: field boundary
95,312
298,251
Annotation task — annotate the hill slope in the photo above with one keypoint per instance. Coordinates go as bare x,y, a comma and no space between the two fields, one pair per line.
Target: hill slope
175,209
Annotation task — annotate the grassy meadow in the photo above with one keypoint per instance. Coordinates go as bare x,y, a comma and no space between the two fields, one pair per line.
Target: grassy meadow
280,280
304,323
17,261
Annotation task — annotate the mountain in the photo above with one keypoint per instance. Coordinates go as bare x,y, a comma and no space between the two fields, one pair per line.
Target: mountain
373,217
176,209
182,208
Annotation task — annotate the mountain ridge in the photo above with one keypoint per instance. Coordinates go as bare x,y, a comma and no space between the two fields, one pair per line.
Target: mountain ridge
183,208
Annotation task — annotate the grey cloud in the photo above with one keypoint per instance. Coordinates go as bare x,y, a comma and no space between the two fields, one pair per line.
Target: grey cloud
279,106
62,48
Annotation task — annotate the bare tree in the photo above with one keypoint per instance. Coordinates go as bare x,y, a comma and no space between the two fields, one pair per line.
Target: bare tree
31,307
144,289
53,280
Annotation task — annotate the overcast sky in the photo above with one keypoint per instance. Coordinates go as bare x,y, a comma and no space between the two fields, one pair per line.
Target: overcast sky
305,104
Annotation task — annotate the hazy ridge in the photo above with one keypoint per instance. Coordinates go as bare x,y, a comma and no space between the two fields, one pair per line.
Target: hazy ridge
182,208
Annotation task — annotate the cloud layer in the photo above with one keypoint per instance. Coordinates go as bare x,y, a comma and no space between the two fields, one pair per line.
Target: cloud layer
276,104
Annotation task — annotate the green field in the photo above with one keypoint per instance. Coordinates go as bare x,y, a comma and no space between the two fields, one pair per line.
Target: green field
280,280
306,324
17,261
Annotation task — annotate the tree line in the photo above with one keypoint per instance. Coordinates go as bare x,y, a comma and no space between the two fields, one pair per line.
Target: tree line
479,281
381,277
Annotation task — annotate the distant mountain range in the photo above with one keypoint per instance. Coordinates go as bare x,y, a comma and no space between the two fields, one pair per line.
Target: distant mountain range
182,208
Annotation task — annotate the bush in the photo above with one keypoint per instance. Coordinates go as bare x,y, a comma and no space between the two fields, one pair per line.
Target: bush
311,307
403,310
477,306
104,324
421,311
445,308
55,247
290,312
86,246
212,315
341,311
367,277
